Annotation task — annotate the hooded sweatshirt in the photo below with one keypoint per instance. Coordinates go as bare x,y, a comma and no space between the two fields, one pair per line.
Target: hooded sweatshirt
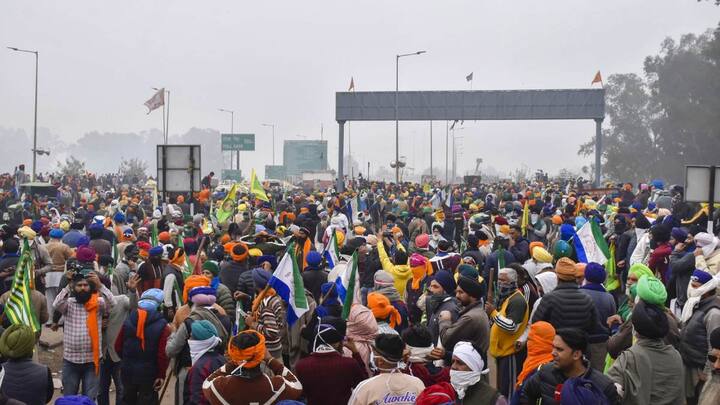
401,272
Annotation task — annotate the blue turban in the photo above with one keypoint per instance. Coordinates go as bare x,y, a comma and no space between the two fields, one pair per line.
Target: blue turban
156,251
74,400
36,226
272,259
83,241
261,277
203,330
595,273
119,217
579,222
701,276
446,280
57,233
679,234
566,232
151,299
313,260
201,290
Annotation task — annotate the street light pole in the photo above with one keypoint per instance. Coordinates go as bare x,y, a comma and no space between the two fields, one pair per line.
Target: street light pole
34,150
397,134
232,131
273,140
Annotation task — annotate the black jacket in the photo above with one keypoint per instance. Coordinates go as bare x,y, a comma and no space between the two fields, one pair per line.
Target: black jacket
21,374
567,307
542,385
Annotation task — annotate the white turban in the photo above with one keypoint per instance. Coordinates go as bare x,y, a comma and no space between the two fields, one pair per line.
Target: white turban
467,353
706,242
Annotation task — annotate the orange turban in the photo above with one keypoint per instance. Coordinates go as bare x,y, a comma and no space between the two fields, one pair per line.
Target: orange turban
196,280
539,348
224,240
239,252
164,237
251,356
382,309
557,220
534,245
565,269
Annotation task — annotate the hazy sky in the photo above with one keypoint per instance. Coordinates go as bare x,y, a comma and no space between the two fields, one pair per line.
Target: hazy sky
282,61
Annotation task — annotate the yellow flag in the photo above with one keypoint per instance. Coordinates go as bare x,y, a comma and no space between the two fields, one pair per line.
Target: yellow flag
257,188
224,212
525,218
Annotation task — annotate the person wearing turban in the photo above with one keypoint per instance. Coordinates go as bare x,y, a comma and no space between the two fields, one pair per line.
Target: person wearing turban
328,376
707,252
314,275
466,375
439,298
211,270
472,324
539,350
268,314
700,316
420,267
141,344
20,371
387,316
540,259
387,363
241,379
206,354
605,308
649,362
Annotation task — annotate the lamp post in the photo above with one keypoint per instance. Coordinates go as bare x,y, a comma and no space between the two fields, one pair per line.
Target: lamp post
397,136
232,131
34,149
273,141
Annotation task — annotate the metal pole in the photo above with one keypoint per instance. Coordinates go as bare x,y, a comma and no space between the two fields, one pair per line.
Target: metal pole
397,136
341,146
167,120
711,203
431,148
598,151
447,139
34,169
368,175
273,133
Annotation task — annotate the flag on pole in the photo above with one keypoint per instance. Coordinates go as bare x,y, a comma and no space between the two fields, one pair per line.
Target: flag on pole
332,253
590,245
288,283
469,77
156,101
257,188
449,198
597,79
18,308
223,214
525,220
352,84
187,271
154,239
611,282
347,285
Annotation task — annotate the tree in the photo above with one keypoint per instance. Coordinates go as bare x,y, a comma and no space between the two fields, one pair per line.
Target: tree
71,167
133,170
668,119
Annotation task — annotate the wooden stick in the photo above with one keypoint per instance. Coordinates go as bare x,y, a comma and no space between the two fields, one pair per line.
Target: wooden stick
171,366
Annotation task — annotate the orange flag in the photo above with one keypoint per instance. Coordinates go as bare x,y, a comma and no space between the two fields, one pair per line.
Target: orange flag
597,79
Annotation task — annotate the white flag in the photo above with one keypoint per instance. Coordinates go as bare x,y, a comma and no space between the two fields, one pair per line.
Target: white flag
158,100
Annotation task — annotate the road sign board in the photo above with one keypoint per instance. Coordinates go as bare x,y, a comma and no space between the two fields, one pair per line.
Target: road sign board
231,174
238,141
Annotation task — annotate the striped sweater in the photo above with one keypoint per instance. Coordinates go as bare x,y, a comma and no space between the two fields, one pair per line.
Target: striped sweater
272,322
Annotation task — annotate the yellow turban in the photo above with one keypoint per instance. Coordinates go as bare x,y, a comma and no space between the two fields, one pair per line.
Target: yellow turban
541,255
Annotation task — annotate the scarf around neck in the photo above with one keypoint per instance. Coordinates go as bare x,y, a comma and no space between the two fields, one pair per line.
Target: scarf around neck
200,347
91,306
390,292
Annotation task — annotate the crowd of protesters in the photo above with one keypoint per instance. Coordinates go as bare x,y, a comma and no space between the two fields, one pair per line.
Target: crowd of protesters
468,294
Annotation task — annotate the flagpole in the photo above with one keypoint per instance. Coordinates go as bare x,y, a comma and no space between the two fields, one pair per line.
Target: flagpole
167,120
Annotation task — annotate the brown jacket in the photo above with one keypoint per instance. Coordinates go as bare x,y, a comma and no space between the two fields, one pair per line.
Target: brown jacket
59,253
39,306
221,387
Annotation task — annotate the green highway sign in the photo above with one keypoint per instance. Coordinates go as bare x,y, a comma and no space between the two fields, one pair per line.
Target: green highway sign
238,141
231,174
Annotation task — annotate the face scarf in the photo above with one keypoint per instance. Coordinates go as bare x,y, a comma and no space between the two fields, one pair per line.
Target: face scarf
505,289
462,380
91,321
694,295
200,347
539,349
419,354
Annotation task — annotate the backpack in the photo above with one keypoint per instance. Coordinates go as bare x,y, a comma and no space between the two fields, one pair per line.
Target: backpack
581,390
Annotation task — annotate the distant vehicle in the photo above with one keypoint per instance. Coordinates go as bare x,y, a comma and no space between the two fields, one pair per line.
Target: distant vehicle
319,180
40,189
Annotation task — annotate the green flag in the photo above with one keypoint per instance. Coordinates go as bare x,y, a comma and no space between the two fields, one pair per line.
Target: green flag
18,308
